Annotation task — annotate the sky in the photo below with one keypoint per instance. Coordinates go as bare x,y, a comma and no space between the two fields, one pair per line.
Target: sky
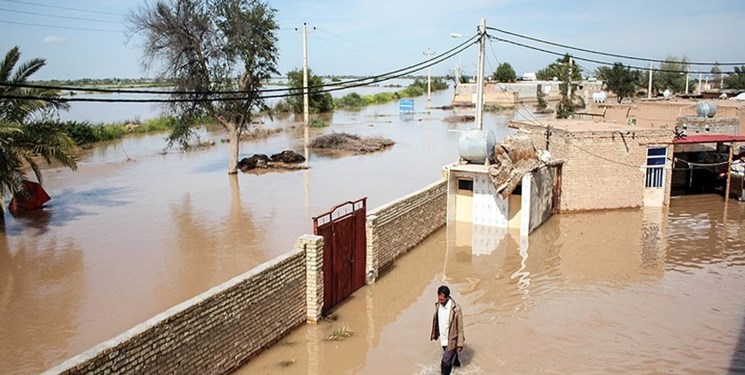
87,38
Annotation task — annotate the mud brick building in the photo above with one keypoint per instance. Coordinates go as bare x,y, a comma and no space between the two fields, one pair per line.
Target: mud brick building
606,165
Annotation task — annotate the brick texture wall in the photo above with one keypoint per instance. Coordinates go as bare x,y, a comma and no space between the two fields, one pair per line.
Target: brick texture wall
398,226
691,125
213,333
602,169
665,113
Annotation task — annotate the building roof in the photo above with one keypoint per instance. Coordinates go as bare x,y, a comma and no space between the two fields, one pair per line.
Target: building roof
574,126
708,138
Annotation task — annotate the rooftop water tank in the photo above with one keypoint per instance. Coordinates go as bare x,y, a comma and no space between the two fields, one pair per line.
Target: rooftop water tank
706,109
599,97
477,145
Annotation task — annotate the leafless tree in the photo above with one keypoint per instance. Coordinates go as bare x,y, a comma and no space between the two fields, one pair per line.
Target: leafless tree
217,53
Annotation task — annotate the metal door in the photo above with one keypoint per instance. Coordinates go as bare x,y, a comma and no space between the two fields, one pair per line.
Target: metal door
344,248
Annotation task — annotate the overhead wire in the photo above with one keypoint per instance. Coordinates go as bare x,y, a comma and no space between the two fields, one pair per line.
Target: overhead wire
346,84
541,123
356,50
289,91
58,16
607,53
502,89
61,27
357,43
600,62
61,7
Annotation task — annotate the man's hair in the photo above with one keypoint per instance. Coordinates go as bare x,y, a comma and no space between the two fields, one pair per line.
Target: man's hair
444,290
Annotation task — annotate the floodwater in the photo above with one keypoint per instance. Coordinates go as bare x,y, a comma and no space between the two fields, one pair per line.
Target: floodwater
132,232
621,292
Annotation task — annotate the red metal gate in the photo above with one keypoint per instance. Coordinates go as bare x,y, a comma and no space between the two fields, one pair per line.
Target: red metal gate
344,247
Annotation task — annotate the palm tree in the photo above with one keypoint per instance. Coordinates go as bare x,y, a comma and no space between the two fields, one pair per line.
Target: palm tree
25,137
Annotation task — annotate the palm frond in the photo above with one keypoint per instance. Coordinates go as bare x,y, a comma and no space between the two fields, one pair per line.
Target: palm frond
10,60
26,69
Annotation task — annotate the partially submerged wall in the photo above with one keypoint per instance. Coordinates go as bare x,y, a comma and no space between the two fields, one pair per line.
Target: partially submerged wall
395,228
541,196
215,332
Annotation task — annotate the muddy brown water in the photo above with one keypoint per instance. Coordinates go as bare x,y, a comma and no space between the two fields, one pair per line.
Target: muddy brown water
122,241
622,291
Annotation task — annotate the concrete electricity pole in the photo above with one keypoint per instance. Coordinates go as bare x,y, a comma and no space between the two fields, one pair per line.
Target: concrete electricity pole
649,89
305,75
687,75
569,89
429,53
480,77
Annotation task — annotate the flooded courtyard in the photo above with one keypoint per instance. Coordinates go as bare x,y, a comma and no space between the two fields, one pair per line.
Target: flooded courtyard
122,241
619,292
134,232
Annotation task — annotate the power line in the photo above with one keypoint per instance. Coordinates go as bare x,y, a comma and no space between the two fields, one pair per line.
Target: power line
61,27
600,62
328,87
205,96
61,7
348,48
58,16
358,43
605,53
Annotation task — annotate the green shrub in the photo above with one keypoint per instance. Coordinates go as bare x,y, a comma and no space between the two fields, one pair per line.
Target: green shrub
107,132
86,133
317,123
80,132
350,101
158,124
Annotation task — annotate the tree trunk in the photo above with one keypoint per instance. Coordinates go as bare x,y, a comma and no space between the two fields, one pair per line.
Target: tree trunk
234,139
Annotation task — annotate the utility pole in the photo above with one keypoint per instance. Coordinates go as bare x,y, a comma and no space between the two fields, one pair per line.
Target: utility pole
569,89
649,88
429,53
305,75
480,76
687,74
721,81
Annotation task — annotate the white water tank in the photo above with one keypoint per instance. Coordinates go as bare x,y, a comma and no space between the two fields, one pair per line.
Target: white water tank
477,145
706,109
599,97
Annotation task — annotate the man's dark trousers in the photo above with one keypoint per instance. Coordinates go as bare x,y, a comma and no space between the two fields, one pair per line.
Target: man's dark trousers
449,358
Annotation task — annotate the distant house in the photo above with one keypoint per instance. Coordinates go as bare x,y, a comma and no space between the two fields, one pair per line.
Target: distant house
606,165
610,165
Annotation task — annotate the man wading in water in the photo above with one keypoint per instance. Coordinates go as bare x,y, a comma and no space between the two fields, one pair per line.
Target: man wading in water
447,327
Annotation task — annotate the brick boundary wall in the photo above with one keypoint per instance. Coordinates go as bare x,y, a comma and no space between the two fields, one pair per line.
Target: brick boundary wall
215,332
396,227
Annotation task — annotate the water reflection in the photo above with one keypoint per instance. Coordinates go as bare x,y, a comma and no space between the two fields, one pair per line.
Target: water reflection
45,302
67,205
153,229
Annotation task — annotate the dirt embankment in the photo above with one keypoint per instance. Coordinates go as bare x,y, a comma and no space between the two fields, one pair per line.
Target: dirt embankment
350,143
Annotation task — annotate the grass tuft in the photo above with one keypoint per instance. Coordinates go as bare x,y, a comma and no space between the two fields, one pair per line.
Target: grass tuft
339,333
